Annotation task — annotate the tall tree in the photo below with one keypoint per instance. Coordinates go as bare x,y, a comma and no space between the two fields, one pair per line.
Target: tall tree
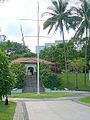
60,19
6,78
83,26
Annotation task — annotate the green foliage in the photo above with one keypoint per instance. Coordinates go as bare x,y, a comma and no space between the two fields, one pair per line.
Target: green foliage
50,80
19,70
56,54
28,55
15,50
6,77
84,24
72,85
59,16
76,65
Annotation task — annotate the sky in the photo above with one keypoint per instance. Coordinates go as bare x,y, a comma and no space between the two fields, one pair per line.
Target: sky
13,11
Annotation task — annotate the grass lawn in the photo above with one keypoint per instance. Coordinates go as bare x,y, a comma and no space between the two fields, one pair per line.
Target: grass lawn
85,100
75,84
7,111
42,95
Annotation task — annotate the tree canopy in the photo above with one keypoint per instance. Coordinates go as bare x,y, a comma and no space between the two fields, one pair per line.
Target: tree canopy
20,72
56,54
15,50
59,18
6,77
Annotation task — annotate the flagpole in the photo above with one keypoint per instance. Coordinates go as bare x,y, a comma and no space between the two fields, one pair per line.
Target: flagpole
38,32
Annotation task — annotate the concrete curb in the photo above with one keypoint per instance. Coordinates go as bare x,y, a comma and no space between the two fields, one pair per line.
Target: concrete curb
78,101
19,114
26,117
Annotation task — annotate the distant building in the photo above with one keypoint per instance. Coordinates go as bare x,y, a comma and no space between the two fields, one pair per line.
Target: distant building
60,42
40,48
47,45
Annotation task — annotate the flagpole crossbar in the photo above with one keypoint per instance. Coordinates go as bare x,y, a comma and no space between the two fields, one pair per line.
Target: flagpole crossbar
37,36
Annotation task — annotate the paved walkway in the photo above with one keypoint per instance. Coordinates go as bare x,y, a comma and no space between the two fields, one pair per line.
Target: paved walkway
19,113
66,108
57,110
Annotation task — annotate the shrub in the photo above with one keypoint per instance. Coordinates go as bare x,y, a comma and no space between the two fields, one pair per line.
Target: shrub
50,80
19,70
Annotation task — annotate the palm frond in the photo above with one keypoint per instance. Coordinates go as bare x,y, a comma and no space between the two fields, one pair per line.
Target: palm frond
53,9
76,11
50,22
55,4
51,26
57,26
80,30
48,13
47,23
59,16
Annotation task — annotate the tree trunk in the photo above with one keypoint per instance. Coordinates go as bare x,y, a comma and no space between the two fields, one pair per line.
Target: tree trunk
65,55
76,80
86,56
65,58
6,100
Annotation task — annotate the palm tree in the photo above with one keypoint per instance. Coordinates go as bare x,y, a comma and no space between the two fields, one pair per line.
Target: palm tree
83,26
59,18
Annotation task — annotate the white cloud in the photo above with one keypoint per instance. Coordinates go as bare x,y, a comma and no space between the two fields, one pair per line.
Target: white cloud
12,11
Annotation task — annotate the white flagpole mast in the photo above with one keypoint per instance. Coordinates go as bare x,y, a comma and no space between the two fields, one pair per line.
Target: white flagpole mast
38,36
38,32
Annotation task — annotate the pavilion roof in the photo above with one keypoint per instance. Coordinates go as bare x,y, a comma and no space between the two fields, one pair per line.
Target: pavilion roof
32,60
